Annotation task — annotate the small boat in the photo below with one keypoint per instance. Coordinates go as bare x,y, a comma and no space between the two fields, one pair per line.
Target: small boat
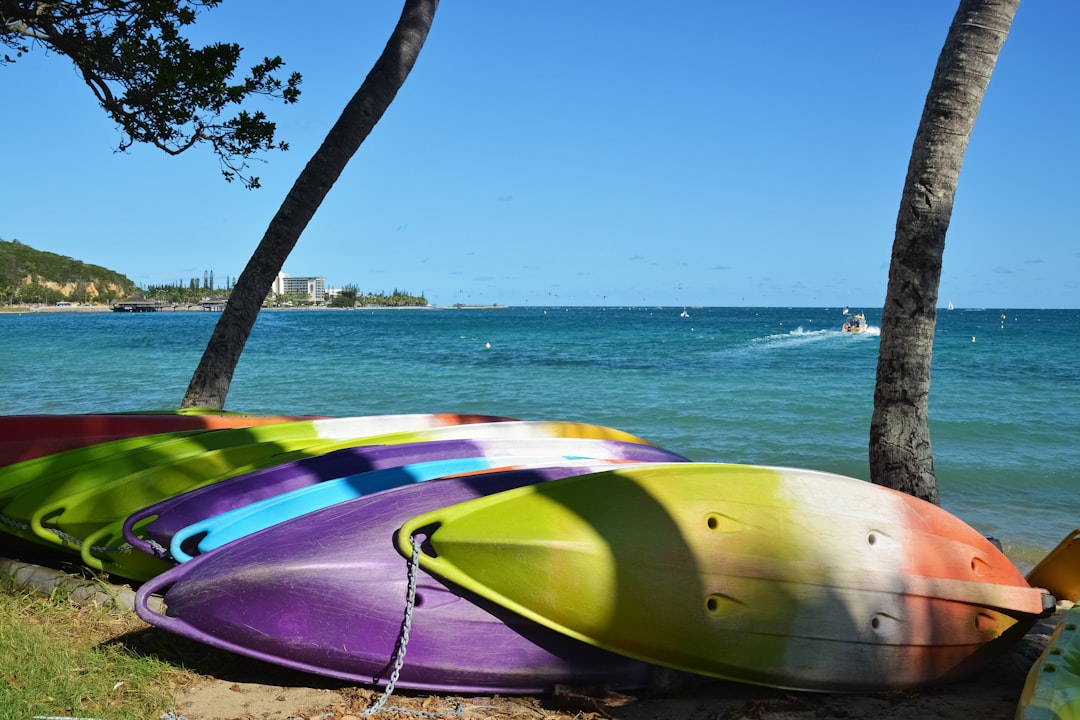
201,537
25,437
1059,571
267,496
1052,688
326,593
62,500
684,313
89,452
92,523
739,572
854,324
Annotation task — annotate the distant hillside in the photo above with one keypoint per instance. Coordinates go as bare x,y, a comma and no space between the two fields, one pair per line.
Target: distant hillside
29,276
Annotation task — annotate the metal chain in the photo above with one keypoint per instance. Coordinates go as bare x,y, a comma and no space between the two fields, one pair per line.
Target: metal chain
399,661
410,602
459,711
158,548
12,522
111,549
18,525
406,626
68,538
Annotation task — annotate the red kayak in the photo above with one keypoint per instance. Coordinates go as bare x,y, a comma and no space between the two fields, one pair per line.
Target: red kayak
24,437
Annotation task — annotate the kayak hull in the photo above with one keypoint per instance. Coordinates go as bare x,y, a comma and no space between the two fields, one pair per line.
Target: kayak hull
24,437
744,573
219,512
1052,688
93,523
325,593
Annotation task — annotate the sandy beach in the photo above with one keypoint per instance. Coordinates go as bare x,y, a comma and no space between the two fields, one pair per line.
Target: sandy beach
230,687
257,691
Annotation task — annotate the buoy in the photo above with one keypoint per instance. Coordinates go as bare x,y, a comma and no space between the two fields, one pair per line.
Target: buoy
488,345
972,338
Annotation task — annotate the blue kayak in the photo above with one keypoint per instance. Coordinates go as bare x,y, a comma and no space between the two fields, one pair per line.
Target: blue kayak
215,531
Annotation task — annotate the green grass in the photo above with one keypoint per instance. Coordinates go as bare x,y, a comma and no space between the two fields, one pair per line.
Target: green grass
60,659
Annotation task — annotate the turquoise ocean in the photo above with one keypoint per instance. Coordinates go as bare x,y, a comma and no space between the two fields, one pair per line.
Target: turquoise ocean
766,386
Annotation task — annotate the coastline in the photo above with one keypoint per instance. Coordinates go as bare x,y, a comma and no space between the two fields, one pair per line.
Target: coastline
24,309
83,309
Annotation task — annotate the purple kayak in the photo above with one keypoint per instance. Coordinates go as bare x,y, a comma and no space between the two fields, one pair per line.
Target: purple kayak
152,528
326,593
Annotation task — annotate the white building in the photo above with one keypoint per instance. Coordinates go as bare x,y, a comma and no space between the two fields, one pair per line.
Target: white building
313,287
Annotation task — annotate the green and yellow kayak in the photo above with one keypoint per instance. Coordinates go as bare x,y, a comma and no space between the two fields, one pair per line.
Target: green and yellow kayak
82,509
76,492
752,574
1052,690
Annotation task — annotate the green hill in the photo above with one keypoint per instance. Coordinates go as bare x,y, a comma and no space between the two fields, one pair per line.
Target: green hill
29,276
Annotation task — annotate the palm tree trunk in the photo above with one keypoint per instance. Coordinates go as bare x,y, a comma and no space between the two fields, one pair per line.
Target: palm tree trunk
900,452
210,383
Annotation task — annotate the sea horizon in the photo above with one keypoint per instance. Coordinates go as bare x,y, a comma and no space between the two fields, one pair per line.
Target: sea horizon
187,307
767,386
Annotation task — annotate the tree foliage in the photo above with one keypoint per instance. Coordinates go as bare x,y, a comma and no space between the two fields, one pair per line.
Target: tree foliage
398,298
350,296
346,298
191,293
150,80
29,276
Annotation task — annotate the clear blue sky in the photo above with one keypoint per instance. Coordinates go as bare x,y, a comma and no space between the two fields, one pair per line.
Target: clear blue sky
589,153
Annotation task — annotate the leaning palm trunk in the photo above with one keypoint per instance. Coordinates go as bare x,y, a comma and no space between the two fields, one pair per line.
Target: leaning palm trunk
210,383
900,453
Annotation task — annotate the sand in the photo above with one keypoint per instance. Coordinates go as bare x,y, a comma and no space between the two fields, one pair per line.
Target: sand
228,687
255,691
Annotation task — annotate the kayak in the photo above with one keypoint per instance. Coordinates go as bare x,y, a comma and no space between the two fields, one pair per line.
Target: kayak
73,493
114,457
1052,688
92,523
24,437
215,532
1059,571
154,528
326,593
744,573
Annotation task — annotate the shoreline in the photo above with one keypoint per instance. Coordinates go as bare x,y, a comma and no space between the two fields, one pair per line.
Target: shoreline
89,309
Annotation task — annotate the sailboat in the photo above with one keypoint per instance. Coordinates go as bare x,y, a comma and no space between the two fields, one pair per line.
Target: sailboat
951,305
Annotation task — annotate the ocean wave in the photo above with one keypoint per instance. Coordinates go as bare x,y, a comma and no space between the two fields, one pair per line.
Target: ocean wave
798,336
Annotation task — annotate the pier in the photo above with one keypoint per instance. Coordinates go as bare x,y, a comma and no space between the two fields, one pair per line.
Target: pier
137,305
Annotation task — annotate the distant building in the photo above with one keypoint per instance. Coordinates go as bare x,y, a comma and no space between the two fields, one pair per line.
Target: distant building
313,287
